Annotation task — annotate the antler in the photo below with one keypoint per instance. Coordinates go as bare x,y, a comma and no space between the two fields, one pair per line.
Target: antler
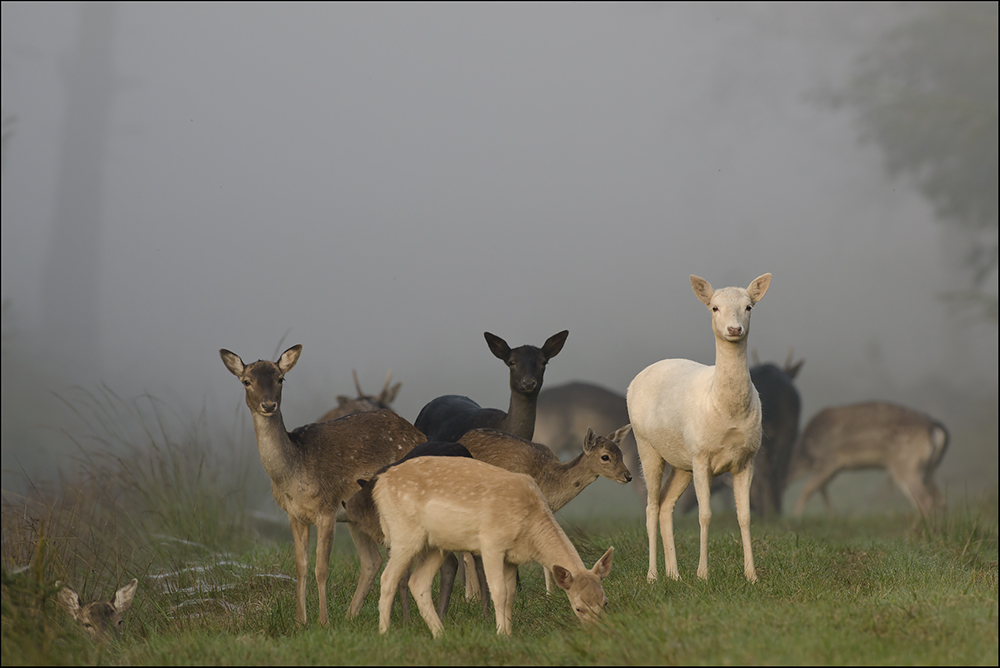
788,360
385,390
357,385
753,355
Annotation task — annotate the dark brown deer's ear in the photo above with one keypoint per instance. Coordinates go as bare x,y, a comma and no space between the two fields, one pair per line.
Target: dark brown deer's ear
554,344
498,346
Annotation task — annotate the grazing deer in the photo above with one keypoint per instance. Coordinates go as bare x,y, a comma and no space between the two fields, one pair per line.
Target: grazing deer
565,413
780,407
703,421
429,507
448,417
363,402
875,434
316,466
101,619
560,482
361,510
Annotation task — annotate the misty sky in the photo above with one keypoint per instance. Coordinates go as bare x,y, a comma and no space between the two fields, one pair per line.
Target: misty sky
386,182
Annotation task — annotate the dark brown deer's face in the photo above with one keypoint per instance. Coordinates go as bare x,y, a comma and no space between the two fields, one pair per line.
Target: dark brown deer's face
526,363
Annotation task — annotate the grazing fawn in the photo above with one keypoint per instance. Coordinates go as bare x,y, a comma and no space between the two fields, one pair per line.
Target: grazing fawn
431,506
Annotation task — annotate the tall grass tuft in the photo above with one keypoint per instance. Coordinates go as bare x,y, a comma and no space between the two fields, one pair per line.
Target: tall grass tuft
148,493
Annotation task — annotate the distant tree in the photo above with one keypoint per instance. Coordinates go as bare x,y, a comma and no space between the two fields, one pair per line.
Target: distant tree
926,93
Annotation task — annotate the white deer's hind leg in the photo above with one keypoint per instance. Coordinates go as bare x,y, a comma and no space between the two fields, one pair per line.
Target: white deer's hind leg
703,492
652,473
510,581
678,482
741,495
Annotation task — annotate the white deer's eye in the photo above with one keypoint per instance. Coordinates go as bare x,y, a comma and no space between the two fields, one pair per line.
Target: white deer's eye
749,307
715,309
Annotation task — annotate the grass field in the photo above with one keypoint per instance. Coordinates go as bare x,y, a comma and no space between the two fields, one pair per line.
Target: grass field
216,584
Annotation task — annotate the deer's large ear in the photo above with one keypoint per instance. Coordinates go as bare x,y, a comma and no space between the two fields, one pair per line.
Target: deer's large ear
289,358
563,578
703,290
232,362
554,344
590,440
70,600
123,597
759,286
619,434
602,568
498,346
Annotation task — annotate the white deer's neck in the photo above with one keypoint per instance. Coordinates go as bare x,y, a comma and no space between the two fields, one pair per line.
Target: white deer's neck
565,481
731,385
272,443
520,420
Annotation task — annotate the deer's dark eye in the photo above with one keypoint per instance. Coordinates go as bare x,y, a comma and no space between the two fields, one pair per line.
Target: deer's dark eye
715,309
281,380
605,458
246,383
749,307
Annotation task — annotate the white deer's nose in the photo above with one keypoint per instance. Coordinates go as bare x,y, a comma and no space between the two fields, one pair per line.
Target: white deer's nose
735,331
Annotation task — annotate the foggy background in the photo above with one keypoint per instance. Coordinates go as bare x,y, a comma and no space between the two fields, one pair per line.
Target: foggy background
383,183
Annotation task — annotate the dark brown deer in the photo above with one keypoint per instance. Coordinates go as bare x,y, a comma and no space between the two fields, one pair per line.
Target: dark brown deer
102,620
874,434
363,402
448,417
317,466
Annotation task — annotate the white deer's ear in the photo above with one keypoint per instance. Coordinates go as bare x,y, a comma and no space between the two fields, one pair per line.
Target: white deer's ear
758,288
703,290
123,597
289,358
232,362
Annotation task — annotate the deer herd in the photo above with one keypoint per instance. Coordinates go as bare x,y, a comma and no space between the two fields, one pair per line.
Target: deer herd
473,489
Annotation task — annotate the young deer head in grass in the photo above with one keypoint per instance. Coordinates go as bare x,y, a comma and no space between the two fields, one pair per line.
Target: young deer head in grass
102,620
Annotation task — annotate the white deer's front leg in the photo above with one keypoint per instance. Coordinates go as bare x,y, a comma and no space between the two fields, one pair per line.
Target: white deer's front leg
679,480
741,495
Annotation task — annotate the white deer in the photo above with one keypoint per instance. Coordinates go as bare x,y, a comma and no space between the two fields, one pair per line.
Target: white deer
430,506
703,421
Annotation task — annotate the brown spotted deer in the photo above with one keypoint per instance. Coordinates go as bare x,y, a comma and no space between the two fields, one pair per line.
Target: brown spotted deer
102,620
431,506
447,417
565,413
363,402
560,482
702,421
317,466
875,434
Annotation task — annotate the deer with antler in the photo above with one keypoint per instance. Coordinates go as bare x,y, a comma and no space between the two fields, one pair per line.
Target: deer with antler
363,402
